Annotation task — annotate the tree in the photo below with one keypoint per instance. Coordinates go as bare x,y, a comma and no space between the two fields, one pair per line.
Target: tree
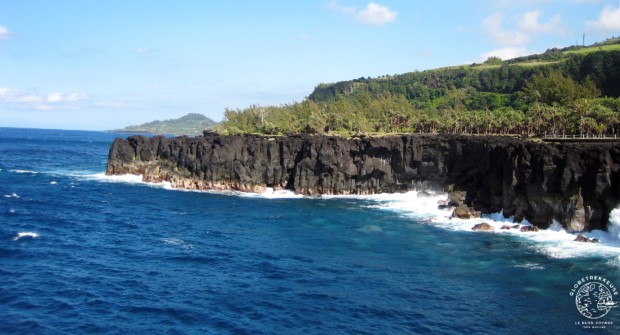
591,117
493,60
554,87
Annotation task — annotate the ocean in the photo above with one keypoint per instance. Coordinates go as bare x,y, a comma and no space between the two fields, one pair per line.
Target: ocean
84,253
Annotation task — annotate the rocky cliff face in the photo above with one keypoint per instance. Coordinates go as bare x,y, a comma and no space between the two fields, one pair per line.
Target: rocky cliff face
577,184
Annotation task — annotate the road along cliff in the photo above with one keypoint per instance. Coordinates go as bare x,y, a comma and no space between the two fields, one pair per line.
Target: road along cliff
577,184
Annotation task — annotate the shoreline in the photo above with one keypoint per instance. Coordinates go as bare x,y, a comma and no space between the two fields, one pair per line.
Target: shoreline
573,183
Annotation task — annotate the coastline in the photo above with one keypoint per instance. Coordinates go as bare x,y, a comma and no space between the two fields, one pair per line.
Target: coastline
573,183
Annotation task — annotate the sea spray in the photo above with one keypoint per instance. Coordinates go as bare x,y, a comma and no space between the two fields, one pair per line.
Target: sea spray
554,242
614,224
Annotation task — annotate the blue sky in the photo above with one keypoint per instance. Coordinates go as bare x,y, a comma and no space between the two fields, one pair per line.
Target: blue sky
100,65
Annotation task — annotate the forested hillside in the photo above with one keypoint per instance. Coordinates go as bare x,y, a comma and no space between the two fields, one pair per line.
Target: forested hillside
190,124
574,90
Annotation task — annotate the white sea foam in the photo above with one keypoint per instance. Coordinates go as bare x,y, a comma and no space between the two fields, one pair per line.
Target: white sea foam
554,242
270,193
173,241
25,234
125,178
370,229
615,262
53,182
529,265
23,171
12,195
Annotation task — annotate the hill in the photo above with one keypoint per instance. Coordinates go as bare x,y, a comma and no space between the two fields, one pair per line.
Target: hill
190,124
599,62
573,90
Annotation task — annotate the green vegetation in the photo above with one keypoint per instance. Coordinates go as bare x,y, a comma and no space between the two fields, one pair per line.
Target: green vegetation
609,45
573,90
493,61
190,124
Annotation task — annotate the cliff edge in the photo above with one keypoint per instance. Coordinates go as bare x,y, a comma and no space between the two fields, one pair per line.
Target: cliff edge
577,184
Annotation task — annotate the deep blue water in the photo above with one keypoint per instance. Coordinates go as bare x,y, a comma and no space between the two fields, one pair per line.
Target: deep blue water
102,257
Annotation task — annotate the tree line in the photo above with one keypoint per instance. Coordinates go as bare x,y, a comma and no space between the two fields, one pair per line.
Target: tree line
577,95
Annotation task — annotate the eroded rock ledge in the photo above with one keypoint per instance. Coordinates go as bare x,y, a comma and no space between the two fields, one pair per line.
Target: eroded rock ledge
577,184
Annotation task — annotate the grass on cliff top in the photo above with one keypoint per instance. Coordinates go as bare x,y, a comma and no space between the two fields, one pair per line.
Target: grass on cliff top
532,63
595,48
609,45
537,63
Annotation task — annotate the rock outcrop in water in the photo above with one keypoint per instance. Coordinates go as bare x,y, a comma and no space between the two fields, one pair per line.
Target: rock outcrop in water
577,184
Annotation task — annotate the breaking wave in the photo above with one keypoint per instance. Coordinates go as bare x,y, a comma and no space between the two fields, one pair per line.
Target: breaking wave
555,242
23,171
25,234
125,178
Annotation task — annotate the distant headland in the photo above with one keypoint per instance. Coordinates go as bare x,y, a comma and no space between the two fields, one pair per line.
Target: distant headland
190,124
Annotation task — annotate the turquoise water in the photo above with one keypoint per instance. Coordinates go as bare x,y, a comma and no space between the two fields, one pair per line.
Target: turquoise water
81,253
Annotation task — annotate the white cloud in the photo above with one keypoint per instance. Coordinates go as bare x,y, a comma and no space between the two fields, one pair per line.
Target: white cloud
16,96
492,25
32,100
112,104
142,51
513,4
54,97
75,97
336,6
20,98
374,13
4,33
526,27
505,53
608,19
587,1
530,23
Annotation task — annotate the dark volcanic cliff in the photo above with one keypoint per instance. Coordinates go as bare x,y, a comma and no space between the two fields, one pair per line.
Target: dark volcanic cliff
577,184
